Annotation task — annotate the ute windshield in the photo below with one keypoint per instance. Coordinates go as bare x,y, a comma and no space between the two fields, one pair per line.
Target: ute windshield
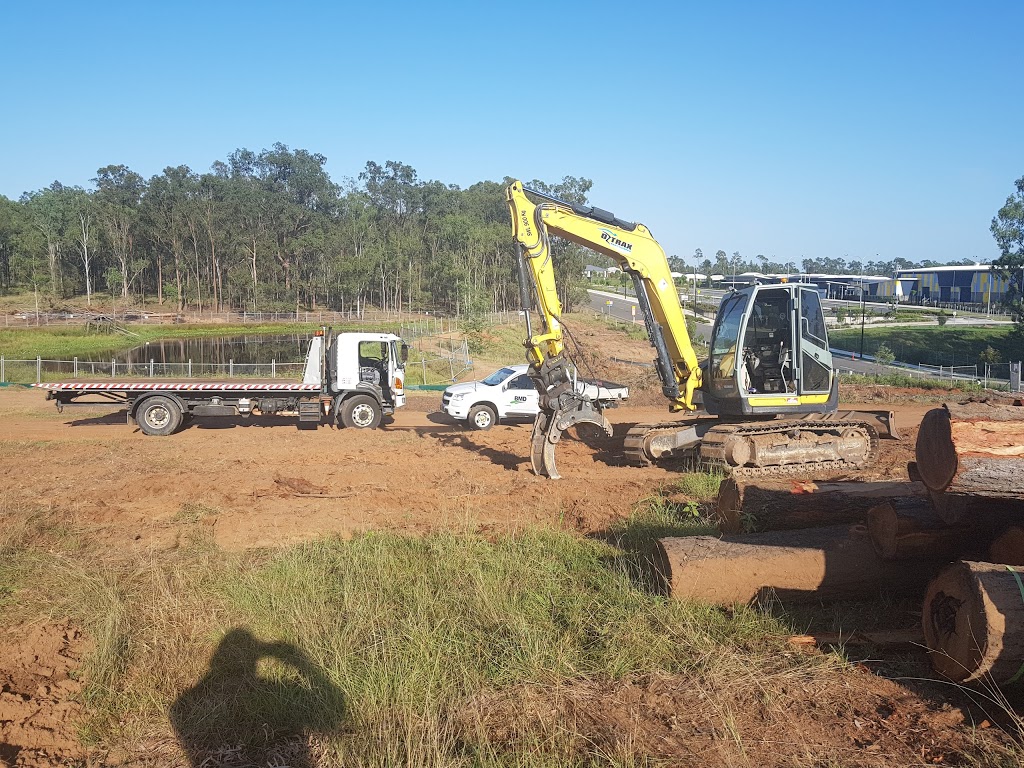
498,376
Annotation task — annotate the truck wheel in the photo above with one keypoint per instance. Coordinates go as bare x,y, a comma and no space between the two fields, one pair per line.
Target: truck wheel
158,416
361,412
482,417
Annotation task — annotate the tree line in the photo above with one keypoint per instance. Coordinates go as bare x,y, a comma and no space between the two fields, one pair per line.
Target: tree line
724,264
271,231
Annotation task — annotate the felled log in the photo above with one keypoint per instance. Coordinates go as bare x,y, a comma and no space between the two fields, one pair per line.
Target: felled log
1008,547
835,561
973,623
908,528
777,505
974,449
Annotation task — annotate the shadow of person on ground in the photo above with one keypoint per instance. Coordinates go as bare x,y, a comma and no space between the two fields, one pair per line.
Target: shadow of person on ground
235,713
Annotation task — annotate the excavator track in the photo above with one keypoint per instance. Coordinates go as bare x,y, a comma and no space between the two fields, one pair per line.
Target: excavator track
858,446
794,447
635,442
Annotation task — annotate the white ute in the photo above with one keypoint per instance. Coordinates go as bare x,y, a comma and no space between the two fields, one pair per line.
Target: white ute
509,393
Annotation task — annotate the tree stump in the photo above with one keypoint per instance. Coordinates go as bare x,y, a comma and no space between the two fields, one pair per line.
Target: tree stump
778,505
973,623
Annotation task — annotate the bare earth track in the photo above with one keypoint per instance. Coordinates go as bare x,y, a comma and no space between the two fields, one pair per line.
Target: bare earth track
264,483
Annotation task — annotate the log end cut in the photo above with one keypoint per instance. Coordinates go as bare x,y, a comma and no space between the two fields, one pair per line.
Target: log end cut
973,623
935,452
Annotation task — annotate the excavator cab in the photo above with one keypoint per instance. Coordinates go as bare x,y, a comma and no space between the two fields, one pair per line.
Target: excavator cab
769,354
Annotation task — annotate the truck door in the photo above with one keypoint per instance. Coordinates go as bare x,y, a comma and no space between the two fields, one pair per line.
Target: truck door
814,356
521,397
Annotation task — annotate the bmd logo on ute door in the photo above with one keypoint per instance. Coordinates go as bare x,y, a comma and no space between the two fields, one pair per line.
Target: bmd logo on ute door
612,240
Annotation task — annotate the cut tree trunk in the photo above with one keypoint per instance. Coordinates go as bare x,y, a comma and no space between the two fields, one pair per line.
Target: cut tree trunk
909,528
837,561
776,505
974,449
1008,547
973,622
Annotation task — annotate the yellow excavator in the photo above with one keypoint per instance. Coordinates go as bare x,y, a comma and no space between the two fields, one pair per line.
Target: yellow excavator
768,387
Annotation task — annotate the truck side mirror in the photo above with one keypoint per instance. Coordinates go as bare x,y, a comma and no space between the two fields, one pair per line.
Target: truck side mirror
404,353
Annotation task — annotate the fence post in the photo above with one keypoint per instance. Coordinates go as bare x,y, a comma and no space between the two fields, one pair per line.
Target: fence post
39,370
231,367
424,361
75,368
273,369
3,376
190,367
151,368
113,369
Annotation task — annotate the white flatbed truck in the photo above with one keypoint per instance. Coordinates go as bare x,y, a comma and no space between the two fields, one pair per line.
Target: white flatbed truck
353,378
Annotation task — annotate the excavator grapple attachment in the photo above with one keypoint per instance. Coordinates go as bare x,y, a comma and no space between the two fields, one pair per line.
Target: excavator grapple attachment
548,429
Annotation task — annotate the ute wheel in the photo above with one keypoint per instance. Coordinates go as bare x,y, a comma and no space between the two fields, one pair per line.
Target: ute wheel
158,416
482,417
361,412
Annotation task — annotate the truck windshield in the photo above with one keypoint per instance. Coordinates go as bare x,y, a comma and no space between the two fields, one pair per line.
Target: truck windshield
498,376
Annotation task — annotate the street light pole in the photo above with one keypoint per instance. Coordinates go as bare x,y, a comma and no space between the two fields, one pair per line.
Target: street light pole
862,316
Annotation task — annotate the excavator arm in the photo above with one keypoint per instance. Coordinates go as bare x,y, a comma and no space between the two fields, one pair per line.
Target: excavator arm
641,257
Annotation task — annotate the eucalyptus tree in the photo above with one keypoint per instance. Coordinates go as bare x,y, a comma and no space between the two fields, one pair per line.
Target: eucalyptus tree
82,233
1008,230
397,197
13,244
249,213
118,194
301,196
163,208
50,214
568,257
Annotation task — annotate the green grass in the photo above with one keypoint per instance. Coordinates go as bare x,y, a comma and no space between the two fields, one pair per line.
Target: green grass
377,644
904,381
946,345
390,650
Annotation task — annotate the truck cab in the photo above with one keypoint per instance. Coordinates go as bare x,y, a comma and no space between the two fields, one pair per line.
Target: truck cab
510,393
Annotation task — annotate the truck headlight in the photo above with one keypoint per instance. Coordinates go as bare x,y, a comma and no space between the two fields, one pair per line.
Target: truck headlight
457,396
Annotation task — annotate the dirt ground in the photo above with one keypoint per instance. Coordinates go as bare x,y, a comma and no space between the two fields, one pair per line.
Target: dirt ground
264,483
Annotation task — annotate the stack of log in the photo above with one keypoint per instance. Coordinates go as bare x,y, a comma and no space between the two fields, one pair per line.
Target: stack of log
953,531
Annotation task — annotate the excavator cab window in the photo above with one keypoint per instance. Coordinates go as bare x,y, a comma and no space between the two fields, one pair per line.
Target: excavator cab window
815,357
725,341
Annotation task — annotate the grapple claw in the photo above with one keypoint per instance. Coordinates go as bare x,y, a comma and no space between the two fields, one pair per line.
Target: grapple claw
548,429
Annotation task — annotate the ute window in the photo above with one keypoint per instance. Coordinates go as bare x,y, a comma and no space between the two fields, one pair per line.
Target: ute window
498,376
521,382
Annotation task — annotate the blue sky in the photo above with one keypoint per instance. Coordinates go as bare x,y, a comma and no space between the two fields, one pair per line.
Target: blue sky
789,129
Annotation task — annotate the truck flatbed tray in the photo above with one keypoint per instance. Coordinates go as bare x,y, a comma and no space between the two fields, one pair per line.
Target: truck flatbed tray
180,386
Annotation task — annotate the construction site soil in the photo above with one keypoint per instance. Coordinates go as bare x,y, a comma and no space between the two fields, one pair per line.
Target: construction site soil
263,483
